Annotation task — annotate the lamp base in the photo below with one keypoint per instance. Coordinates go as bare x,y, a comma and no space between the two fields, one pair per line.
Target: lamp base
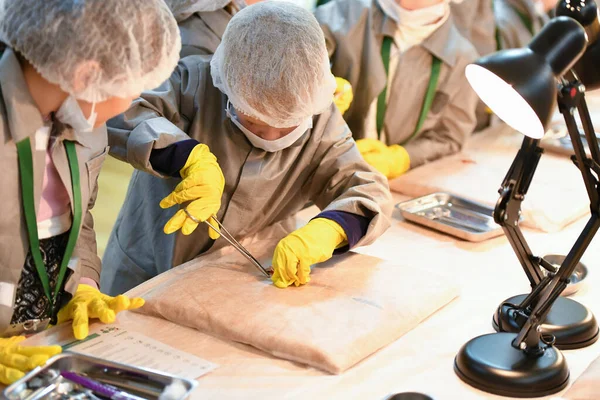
491,364
571,323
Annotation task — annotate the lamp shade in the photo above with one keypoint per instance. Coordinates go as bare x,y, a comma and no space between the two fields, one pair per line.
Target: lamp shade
519,85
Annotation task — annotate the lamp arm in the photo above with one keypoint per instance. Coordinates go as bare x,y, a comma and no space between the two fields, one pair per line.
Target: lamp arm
571,97
507,212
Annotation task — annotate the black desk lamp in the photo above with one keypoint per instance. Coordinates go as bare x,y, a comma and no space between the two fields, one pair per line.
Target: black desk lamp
522,87
572,325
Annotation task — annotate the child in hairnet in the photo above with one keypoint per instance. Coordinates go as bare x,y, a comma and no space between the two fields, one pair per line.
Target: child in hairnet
258,120
517,21
405,60
61,79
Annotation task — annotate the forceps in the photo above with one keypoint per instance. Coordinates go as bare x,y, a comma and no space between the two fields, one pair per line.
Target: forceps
232,241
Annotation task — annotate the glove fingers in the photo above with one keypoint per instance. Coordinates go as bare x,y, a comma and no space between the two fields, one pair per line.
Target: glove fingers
136,302
9,375
285,264
213,234
5,342
303,273
80,321
30,351
16,361
203,210
37,360
188,227
370,145
204,177
99,309
118,303
175,223
168,201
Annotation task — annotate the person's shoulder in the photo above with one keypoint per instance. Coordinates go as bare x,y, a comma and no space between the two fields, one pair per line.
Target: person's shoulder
463,48
347,12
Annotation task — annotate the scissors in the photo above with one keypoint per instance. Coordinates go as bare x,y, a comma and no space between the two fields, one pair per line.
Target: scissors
232,241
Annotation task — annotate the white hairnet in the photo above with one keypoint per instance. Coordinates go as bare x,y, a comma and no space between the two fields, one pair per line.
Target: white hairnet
273,65
94,49
182,9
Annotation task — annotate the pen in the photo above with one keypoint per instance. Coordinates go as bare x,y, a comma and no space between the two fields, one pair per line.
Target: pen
99,388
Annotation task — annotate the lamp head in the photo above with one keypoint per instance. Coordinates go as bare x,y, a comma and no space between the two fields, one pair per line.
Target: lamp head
519,85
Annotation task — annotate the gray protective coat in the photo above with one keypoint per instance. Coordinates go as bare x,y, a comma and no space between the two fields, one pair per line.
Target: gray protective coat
354,31
19,119
475,21
202,32
323,166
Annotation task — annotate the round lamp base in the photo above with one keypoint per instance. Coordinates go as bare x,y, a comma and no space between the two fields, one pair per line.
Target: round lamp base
571,323
491,364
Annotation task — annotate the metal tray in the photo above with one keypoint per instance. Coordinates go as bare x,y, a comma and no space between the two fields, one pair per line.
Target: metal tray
577,278
456,216
45,380
557,140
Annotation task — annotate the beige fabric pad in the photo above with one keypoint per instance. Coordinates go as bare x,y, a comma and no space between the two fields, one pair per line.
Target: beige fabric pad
353,306
587,386
556,197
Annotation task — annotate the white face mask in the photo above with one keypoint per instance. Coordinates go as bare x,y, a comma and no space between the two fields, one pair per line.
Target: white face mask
415,18
270,146
70,113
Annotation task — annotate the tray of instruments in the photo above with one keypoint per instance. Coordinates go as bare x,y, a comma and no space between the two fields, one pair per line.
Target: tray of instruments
557,140
77,376
451,214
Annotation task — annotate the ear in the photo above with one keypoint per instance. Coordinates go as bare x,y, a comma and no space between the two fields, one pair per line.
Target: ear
86,73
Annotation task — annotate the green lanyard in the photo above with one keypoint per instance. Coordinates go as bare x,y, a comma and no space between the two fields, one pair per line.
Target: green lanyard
321,2
26,175
436,66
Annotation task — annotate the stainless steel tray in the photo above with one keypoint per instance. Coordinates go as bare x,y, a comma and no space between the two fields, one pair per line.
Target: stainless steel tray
557,140
456,216
141,382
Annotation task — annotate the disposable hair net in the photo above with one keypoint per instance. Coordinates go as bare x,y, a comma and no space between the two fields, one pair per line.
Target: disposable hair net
182,9
94,49
273,65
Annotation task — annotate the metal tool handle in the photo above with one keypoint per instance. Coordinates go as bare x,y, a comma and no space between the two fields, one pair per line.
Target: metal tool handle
238,246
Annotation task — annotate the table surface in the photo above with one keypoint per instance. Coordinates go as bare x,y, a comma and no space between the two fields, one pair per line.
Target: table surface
422,360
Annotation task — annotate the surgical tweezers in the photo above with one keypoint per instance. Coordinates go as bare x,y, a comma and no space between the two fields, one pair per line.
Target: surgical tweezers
238,246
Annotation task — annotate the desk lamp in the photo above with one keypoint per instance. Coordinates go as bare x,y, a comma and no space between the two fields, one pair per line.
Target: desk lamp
572,325
522,87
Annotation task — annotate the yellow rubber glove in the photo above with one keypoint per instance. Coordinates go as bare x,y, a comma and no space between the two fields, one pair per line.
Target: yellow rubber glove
89,303
343,95
392,161
311,244
16,360
203,183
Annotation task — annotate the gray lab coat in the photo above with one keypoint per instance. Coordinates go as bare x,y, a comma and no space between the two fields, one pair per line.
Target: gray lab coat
19,119
323,166
202,32
475,21
512,31
354,31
